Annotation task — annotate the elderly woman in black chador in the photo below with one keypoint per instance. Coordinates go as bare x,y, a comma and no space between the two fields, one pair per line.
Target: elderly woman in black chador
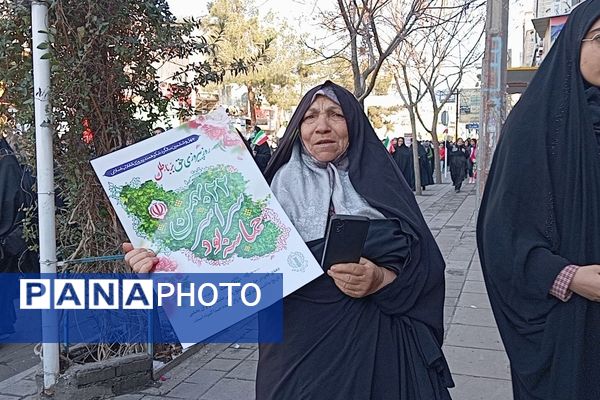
371,330
539,222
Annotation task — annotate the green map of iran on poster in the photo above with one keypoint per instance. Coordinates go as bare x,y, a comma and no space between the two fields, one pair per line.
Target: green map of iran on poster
212,218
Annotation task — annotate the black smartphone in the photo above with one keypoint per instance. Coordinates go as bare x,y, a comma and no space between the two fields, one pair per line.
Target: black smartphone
344,240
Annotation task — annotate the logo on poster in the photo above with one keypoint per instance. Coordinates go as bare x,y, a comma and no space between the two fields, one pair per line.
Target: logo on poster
297,261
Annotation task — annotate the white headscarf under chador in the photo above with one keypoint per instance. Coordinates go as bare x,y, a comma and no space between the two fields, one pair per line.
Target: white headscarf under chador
306,188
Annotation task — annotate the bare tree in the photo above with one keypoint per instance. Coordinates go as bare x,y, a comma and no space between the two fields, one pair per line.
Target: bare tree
365,33
439,59
411,92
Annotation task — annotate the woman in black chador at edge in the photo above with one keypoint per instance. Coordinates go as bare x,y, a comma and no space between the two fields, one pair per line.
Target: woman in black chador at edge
539,222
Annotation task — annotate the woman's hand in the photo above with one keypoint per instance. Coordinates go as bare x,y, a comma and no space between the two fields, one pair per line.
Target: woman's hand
586,282
139,260
362,279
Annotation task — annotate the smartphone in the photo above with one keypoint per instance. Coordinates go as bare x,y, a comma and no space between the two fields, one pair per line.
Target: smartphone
344,240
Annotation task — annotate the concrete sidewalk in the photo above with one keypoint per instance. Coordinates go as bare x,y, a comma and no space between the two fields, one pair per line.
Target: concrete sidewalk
472,345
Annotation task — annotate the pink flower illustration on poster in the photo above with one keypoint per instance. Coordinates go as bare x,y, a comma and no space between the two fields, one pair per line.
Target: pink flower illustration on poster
165,264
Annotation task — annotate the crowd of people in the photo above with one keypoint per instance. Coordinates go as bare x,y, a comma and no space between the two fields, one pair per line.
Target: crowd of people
461,160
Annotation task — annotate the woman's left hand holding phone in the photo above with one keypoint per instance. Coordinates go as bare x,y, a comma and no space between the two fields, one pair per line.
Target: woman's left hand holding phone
140,260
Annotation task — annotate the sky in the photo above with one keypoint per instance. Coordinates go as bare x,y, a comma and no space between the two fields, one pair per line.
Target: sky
290,9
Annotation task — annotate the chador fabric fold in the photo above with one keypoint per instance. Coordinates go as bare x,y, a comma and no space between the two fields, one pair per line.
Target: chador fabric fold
540,213
386,345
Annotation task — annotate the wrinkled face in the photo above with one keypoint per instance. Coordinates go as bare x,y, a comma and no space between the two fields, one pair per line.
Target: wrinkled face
323,130
589,63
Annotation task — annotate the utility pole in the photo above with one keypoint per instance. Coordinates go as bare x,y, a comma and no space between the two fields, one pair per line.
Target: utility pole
45,183
493,88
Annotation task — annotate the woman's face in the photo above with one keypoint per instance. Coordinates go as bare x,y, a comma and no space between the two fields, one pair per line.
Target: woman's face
323,130
590,55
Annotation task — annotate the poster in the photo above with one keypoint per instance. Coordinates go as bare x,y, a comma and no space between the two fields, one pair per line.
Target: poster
194,195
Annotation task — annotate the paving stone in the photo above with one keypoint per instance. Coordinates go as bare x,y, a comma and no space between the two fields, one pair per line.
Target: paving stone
231,389
22,388
481,337
205,378
476,388
450,301
247,345
474,300
221,364
246,370
129,397
474,287
454,285
455,274
253,356
188,390
449,311
235,354
474,316
477,362
475,275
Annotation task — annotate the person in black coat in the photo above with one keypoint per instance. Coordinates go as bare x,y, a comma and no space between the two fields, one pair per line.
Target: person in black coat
538,229
458,156
15,257
404,159
260,149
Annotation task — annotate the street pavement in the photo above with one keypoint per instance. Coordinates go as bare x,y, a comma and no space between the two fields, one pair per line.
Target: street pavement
472,344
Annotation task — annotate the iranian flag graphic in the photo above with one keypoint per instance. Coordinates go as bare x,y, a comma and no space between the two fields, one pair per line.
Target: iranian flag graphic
388,145
259,138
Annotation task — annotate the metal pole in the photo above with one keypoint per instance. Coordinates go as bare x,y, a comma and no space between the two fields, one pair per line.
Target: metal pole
493,88
45,183
457,115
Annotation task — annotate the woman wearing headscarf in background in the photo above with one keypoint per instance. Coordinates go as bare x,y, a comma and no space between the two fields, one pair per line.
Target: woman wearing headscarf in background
424,167
404,160
539,222
349,334
458,156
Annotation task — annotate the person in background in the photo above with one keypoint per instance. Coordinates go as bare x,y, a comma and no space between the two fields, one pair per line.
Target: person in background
16,194
404,160
538,229
260,148
458,157
424,166
473,161
158,130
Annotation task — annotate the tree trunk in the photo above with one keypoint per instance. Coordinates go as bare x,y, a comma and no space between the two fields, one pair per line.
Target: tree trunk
252,104
436,148
415,153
